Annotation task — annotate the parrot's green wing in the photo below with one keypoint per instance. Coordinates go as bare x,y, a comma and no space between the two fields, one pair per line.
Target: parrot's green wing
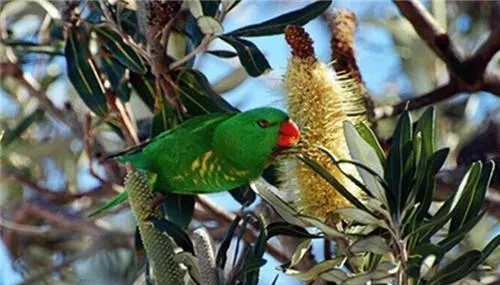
176,147
135,155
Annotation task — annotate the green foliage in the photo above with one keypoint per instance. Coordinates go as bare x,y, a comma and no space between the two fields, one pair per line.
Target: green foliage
395,218
409,171
83,73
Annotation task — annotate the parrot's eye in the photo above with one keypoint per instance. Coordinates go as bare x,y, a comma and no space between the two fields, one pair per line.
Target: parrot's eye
263,123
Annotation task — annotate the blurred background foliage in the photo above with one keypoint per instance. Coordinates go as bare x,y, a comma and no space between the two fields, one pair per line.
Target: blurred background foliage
63,106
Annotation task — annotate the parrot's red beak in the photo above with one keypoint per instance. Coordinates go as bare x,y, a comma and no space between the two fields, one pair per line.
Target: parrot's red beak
289,134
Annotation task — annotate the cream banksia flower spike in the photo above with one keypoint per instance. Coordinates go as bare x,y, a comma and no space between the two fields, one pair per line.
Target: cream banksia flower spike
315,102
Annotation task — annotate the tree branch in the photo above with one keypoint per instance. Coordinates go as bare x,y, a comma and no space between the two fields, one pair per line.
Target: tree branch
430,31
468,74
441,93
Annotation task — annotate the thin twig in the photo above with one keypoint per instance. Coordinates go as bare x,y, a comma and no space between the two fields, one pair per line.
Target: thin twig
48,194
199,49
126,125
105,241
34,89
88,142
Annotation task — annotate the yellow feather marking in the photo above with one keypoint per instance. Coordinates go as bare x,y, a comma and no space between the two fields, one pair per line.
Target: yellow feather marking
206,156
229,178
177,178
195,164
240,173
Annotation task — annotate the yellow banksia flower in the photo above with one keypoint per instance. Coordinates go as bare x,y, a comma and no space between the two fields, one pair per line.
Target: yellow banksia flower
315,103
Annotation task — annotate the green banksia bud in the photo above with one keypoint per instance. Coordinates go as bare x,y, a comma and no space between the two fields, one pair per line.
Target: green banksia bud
159,247
315,101
204,249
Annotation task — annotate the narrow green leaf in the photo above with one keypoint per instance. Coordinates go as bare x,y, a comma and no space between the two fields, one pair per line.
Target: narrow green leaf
129,23
125,54
195,8
426,230
55,48
224,246
333,181
275,279
144,86
252,59
83,73
326,229
113,69
488,249
164,119
284,228
222,53
394,170
384,270
359,216
369,136
22,126
241,231
260,244
270,194
277,25
228,5
335,275
360,278
457,269
302,249
117,200
426,125
171,229
209,25
374,244
316,270
210,8
479,194
179,208
453,238
472,196
425,192
115,73
362,151
244,195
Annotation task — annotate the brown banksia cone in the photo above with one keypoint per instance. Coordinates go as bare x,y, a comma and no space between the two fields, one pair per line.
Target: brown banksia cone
357,103
158,14
314,100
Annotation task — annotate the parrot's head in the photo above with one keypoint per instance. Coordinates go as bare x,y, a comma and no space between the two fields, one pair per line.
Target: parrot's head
249,138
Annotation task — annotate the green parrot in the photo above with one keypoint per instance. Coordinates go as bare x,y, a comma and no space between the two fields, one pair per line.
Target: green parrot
211,153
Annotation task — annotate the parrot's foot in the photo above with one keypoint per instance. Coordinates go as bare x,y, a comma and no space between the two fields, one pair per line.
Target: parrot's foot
157,201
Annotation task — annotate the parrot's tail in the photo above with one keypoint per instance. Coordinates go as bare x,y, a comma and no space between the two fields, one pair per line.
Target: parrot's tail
120,198
133,155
